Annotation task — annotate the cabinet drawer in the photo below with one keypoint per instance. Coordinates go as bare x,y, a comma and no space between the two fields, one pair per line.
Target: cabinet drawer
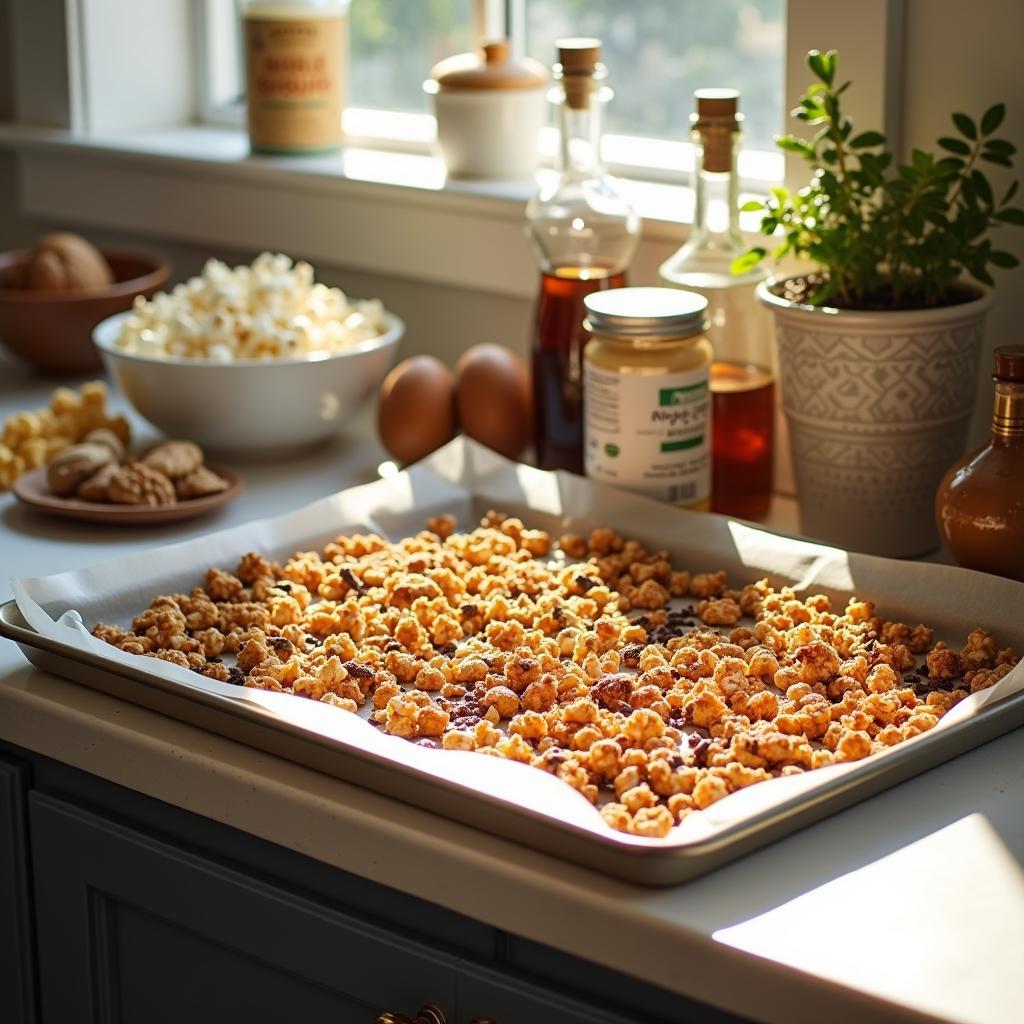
134,930
493,995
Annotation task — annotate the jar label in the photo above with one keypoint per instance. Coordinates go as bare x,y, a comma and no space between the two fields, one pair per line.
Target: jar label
649,433
295,82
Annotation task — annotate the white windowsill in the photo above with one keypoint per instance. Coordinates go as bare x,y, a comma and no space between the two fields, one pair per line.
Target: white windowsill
378,211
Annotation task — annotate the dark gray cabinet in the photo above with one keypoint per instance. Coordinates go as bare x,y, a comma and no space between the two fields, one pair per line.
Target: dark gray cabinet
144,914
145,933
17,984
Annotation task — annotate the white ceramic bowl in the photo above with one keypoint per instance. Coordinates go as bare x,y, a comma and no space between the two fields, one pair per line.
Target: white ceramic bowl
250,406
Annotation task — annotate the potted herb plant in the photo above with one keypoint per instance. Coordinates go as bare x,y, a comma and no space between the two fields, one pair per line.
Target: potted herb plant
878,345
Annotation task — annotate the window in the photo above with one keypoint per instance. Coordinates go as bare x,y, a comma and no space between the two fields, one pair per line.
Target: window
657,52
394,44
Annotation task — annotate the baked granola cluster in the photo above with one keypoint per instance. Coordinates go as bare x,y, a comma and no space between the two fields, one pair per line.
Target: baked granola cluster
652,691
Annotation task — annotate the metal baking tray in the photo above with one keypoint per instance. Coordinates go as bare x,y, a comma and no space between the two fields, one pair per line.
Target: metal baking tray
648,862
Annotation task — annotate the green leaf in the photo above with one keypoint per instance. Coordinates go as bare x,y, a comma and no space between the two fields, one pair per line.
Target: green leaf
921,161
822,64
792,144
997,158
1000,146
1011,215
983,188
747,261
781,196
965,126
866,139
952,145
751,205
1010,192
992,119
949,166
822,294
1006,260
982,275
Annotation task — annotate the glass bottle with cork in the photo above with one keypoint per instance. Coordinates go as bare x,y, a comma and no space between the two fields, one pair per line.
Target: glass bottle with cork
740,329
979,508
584,233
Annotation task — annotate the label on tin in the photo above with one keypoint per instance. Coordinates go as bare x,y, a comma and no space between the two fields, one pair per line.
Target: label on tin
295,82
649,433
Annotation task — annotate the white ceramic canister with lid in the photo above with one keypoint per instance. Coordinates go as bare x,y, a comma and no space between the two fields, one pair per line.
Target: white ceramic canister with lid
489,113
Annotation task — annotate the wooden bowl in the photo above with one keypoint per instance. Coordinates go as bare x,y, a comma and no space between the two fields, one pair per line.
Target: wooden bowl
53,330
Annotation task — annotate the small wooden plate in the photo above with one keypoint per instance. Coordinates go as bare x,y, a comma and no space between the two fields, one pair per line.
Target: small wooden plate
31,488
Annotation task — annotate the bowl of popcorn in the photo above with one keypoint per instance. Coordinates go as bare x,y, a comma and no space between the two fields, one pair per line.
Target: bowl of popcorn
254,358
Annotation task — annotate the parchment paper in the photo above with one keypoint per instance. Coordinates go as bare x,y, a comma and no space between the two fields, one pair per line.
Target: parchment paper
466,479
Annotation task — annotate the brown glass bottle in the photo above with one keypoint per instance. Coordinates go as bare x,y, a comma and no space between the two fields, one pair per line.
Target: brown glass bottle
979,508
558,344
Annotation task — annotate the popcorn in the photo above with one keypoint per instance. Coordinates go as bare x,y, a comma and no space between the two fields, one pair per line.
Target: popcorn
269,310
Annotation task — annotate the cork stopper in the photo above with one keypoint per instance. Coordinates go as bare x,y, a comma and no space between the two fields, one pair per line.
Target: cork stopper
715,103
580,67
717,119
1008,364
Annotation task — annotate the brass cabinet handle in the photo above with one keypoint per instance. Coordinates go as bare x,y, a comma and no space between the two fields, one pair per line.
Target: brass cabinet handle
483,1020
429,1014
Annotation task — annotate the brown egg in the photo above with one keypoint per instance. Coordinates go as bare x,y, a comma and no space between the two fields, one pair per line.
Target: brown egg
492,398
416,413
66,262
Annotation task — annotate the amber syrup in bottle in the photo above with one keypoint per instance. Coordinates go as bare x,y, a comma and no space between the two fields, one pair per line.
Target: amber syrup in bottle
742,439
584,234
740,328
558,343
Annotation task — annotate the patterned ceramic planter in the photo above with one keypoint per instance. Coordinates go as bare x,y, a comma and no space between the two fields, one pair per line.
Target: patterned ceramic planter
877,405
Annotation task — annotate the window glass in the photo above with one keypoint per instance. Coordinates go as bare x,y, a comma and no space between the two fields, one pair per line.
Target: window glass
395,43
658,51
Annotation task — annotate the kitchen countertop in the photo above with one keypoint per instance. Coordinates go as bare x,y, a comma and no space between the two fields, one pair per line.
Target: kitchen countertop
908,907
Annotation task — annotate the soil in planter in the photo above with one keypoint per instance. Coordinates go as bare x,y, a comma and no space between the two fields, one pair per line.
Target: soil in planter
800,289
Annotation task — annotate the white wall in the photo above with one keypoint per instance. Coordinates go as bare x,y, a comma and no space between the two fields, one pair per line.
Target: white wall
963,56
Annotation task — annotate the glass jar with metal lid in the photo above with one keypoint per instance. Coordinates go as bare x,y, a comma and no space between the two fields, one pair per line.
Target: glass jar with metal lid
646,405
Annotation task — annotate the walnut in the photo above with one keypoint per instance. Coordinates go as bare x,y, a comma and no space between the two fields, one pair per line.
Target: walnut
137,484
75,464
174,459
96,487
105,436
199,483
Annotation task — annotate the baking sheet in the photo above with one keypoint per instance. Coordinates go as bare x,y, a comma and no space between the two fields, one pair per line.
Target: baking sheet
465,479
